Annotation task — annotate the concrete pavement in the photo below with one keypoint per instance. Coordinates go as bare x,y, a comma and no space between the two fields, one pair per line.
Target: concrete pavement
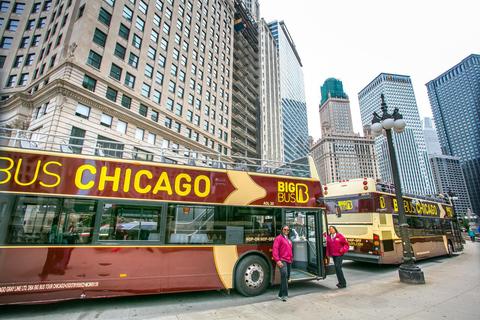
452,291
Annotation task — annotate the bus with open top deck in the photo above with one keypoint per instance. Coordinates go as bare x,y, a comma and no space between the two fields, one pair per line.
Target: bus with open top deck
86,218
366,213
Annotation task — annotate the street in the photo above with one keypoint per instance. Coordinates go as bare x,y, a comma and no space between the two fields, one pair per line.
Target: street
367,284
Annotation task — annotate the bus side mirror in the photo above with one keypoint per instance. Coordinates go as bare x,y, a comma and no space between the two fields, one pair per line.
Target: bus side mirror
319,201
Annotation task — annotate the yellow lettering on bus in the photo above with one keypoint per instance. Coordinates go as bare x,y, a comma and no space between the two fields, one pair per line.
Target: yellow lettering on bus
35,175
395,205
196,188
51,174
187,188
163,184
302,193
7,170
104,178
126,180
382,202
136,183
79,175
281,186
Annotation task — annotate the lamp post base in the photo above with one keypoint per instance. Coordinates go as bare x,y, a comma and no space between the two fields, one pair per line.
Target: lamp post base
411,273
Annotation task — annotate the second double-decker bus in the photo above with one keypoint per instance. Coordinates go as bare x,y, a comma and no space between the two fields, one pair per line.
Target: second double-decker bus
79,223
366,213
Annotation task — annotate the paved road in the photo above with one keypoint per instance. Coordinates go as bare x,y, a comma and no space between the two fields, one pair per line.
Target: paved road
453,287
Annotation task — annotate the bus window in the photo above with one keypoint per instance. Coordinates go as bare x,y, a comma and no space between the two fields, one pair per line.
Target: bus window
129,222
75,224
32,220
257,225
195,224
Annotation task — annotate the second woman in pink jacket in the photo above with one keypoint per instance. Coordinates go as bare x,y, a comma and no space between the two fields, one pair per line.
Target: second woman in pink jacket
337,246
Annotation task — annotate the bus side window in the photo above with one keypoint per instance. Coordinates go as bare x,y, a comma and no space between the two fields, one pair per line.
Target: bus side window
195,224
32,220
130,222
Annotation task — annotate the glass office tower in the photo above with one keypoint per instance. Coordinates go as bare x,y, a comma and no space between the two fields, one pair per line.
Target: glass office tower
292,91
455,101
410,149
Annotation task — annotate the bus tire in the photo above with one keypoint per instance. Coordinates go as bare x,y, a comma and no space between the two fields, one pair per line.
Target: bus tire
450,249
252,276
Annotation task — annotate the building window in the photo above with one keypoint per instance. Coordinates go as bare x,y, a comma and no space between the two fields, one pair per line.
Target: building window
2,61
13,25
18,61
111,94
140,24
151,138
139,134
122,126
11,81
161,60
133,60
94,59
159,78
127,13
151,53
119,51
18,8
129,80
82,111
137,41
35,41
148,70
171,86
7,42
124,31
89,83
104,17
143,110
146,90
76,139
106,120
115,72
99,38
154,116
126,101
169,104
168,122
179,109
23,79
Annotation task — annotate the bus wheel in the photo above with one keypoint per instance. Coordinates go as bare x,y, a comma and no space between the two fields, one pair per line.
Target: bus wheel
251,276
450,249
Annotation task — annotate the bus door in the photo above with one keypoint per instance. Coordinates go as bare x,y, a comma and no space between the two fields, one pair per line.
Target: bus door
457,236
305,233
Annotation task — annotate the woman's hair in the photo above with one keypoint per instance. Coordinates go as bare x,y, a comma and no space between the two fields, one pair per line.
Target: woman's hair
336,231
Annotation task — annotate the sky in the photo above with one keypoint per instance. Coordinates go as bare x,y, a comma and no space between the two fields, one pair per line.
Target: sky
356,40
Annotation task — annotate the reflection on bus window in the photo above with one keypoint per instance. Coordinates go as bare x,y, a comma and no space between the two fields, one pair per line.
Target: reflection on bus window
198,224
45,220
128,222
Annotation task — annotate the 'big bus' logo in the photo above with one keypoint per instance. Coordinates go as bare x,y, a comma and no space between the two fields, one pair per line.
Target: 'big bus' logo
292,192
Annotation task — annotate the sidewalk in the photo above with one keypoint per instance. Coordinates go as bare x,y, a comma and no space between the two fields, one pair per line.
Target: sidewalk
452,291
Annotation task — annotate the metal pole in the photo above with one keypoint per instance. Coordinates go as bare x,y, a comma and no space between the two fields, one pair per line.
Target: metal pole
408,271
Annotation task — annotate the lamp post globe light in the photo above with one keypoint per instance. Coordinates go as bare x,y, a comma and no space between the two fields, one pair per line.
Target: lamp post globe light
408,272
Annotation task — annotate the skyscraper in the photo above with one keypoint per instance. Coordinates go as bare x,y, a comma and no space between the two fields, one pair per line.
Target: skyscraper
341,154
431,137
455,101
246,85
270,101
292,91
144,72
449,178
410,149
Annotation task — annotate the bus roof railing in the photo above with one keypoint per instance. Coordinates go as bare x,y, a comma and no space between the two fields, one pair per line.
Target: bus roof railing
388,188
36,140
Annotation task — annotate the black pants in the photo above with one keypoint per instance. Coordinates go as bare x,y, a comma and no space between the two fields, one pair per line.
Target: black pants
337,260
473,238
284,276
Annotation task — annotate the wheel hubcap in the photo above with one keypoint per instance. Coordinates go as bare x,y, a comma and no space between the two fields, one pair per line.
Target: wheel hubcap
254,276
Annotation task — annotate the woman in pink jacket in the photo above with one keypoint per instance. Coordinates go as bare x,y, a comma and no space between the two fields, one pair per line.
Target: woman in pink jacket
283,256
337,246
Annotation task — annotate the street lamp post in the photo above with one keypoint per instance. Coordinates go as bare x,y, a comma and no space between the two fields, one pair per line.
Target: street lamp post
408,272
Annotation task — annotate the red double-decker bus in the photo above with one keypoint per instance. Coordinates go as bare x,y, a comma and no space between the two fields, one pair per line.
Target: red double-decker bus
76,226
